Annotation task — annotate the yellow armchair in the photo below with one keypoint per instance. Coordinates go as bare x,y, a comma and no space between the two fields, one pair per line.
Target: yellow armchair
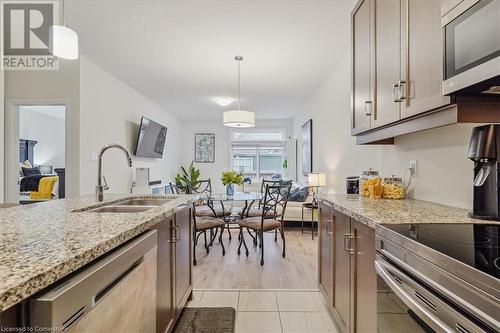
45,188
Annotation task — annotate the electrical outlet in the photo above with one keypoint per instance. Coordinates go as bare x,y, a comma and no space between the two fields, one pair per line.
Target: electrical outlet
413,167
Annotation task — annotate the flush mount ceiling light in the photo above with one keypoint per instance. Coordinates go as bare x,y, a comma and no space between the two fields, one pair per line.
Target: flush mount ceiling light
223,101
239,118
64,40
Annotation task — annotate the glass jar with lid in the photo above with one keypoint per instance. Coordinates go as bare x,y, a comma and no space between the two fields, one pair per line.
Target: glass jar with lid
370,179
393,188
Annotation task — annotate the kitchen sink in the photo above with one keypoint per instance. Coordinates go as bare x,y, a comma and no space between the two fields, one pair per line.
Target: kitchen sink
143,202
120,209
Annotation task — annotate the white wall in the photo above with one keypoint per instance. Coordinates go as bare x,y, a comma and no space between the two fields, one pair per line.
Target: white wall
48,131
222,158
444,172
110,113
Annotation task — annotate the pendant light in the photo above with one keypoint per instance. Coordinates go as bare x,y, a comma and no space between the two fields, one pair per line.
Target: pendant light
239,118
64,40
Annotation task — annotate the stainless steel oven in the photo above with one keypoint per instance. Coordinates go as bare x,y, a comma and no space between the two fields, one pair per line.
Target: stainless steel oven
471,42
422,289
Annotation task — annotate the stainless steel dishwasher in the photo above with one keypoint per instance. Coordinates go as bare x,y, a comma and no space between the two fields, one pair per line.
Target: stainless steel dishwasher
116,293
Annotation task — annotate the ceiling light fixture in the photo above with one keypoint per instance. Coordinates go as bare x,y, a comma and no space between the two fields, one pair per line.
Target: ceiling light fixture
239,118
223,101
64,40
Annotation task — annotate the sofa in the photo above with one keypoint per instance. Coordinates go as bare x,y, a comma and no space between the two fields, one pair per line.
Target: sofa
293,209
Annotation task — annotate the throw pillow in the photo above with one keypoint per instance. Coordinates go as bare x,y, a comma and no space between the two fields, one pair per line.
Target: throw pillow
299,194
31,171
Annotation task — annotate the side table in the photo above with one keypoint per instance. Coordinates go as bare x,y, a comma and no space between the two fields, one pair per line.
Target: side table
312,207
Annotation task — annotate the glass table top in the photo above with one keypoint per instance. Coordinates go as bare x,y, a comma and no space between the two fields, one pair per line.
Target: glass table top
238,196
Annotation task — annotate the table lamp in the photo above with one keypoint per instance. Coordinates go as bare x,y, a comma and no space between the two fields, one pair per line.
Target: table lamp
315,180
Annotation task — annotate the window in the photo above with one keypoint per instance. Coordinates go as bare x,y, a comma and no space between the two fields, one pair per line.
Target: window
258,154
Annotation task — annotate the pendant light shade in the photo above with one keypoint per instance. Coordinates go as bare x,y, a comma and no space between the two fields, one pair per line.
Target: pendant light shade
64,42
239,118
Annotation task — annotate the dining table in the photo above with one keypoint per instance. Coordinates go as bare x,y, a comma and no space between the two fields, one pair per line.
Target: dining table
248,198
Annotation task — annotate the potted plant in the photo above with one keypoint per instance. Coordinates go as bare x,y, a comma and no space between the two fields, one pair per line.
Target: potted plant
185,180
229,179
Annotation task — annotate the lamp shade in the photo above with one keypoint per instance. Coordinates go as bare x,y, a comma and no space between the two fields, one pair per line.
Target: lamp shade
316,179
64,42
239,118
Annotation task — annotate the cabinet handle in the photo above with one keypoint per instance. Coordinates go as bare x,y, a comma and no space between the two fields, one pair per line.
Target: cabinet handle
329,233
402,87
396,90
347,243
368,108
177,233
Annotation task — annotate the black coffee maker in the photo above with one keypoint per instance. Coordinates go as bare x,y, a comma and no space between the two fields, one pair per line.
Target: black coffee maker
484,150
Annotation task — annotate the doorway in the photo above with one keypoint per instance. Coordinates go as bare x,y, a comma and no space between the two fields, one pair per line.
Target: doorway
35,152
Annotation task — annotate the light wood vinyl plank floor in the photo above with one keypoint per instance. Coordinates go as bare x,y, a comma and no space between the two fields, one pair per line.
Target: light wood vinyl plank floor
298,270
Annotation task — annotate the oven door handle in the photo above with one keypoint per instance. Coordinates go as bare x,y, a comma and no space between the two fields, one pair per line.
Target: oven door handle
383,269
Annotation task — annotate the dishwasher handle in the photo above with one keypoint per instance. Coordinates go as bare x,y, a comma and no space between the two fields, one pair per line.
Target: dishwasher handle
107,289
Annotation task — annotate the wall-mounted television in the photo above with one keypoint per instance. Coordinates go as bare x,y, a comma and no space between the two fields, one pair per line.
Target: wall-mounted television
150,139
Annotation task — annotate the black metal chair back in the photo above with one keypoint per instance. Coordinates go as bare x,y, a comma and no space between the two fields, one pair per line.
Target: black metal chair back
263,186
202,187
172,189
275,201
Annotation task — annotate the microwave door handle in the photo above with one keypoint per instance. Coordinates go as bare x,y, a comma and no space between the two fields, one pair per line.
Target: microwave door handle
383,269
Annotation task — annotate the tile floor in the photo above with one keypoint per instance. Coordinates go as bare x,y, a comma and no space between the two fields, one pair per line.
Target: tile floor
270,311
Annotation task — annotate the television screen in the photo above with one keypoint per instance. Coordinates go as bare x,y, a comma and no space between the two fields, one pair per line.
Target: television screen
151,139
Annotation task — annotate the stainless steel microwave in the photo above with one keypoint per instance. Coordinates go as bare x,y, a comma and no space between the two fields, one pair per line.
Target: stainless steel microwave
471,47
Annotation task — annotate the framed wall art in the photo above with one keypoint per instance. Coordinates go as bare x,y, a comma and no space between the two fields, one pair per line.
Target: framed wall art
306,147
204,148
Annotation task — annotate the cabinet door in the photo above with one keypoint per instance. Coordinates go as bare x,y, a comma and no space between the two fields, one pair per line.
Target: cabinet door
325,251
362,66
387,62
164,299
422,64
183,278
363,278
341,273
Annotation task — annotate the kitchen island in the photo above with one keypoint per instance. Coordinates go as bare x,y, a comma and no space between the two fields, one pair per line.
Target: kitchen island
351,247
44,243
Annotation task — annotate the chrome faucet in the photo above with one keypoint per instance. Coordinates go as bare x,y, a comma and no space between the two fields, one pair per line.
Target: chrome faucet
99,188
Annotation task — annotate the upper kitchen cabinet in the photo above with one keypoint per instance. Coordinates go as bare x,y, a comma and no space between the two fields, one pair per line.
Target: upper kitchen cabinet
387,105
362,67
398,71
422,60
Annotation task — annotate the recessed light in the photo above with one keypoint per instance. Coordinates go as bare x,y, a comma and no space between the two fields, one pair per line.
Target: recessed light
223,101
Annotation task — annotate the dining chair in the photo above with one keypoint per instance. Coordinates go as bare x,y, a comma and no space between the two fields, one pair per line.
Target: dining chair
172,189
275,201
257,211
202,224
208,209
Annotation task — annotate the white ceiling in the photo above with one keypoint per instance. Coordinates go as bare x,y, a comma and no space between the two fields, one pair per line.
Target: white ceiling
180,53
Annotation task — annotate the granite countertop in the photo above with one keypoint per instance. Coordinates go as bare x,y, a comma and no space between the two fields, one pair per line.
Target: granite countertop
41,243
387,211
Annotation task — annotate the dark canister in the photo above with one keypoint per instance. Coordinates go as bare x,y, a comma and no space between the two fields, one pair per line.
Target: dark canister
352,184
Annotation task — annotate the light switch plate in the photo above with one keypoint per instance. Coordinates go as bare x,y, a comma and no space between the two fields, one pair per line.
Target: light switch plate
413,167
